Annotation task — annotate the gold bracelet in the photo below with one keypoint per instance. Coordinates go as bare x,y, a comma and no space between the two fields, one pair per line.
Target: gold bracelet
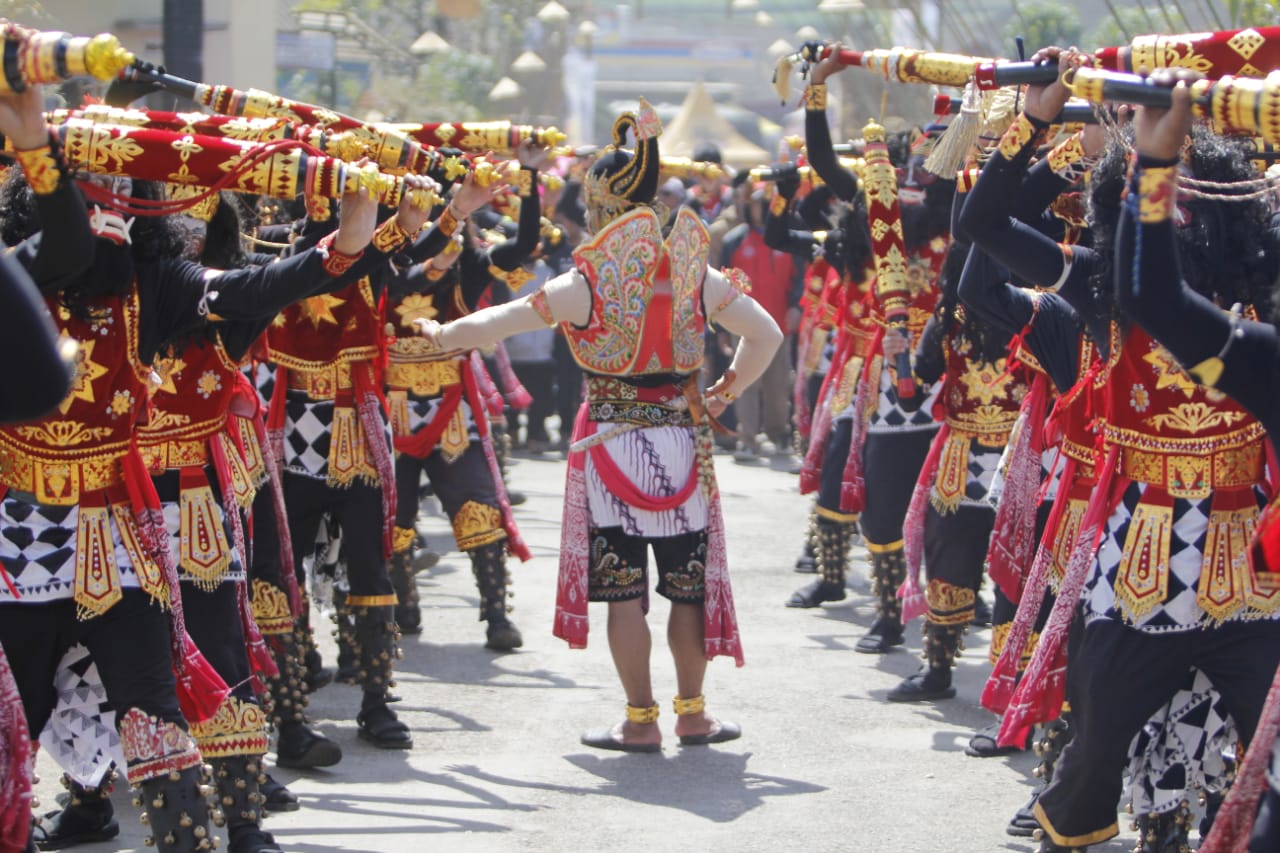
642,714
41,168
390,237
815,97
1157,193
449,221
336,262
686,707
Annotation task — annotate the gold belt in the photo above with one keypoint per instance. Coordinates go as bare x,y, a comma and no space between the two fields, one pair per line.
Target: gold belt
424,378
59,482
176,453
321,384
1186,476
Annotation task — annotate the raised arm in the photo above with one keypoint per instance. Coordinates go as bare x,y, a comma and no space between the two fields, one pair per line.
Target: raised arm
1219,349
817,135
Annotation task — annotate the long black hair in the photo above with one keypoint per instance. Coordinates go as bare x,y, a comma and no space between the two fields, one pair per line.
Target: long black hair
1228,250
154,238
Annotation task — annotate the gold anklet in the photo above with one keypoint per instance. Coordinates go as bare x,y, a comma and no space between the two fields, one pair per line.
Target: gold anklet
686,707
643,714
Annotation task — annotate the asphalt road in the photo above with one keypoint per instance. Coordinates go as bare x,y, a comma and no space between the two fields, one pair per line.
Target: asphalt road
825,763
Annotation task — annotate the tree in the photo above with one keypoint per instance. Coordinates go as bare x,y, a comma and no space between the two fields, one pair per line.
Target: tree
1042,23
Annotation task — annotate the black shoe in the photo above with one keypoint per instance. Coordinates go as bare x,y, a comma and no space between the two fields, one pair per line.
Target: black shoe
409,619
981,612
278,797
317,675
251,839
883,636
502,636
380,726
81,823
1024,823
806,564
816,593
983,744
300,747
516,498
924,686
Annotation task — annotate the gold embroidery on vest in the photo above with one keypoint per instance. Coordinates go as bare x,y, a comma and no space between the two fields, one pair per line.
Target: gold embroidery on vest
348,454
953,474
203,552
1142,580
97,586
241,480
1225,566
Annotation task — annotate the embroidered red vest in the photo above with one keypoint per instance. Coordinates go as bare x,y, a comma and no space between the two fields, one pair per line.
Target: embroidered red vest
1185,441
318,339
78,448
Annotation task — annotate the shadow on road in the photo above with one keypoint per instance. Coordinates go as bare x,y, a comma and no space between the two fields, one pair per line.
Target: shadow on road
710,784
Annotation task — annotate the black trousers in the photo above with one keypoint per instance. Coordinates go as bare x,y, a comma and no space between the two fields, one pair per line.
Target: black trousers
955,545
891,462
1266,828
1117,679
129,643
213,621
833,461
466,478
358,511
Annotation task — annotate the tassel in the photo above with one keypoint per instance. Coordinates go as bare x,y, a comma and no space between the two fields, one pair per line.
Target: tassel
952,150
200,689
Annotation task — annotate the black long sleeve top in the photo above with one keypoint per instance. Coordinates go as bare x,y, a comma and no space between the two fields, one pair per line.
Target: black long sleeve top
1188,324
995,217
30,339
822,156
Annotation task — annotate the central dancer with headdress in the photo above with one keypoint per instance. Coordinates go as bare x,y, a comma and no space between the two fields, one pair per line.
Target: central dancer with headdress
634,311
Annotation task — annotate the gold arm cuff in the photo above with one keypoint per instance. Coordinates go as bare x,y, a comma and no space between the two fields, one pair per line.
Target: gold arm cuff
41,168
522,181
1157,194
1019,135
335,263
1066,154
448,221
643,714
390,237
687,707
815,97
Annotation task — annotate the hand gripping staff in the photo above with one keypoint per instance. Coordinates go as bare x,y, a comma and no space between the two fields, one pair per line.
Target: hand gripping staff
1249,52
1235,105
